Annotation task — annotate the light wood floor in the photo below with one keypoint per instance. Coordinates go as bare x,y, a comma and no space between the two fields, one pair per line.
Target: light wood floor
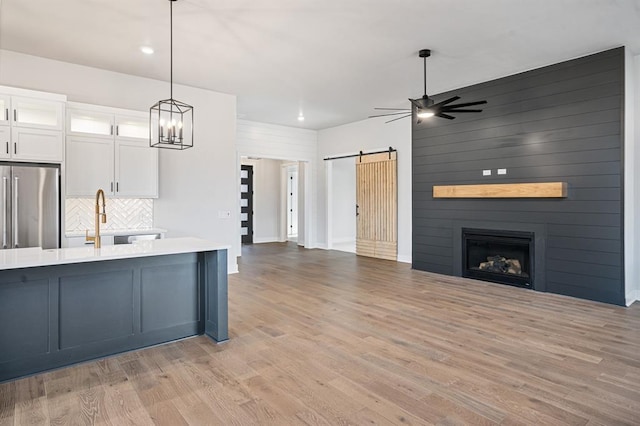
321,337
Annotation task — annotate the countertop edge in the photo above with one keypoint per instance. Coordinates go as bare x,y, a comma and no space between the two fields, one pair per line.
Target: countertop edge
35,257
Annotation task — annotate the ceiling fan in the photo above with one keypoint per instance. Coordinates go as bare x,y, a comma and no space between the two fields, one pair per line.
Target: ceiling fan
425,106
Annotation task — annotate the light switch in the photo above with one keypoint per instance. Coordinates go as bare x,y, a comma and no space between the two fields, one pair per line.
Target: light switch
224,214
502,171
486,173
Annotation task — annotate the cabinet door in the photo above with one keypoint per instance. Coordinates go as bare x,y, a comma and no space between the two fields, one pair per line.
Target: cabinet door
5,107
89,166
5,142
136,169
90,123
36,113
36,144
132,127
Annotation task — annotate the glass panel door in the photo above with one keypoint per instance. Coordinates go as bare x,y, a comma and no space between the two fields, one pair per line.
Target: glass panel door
89,123
132,127
36,113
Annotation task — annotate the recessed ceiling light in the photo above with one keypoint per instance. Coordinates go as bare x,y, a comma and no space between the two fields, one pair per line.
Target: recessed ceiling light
147,50
301,117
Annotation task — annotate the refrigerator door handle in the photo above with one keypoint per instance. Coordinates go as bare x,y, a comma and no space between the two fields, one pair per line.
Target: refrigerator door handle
15,211
4,212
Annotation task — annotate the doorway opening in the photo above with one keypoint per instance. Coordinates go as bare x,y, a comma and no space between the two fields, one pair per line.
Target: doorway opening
278,204
292,203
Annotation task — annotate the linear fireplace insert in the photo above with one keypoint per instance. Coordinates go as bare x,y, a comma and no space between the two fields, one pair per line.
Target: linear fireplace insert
505,257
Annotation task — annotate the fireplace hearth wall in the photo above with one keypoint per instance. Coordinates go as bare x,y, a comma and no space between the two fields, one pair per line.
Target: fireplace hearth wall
561,123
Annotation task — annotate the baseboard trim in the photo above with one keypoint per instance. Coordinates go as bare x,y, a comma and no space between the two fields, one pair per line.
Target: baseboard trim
266,240
632,296
404,259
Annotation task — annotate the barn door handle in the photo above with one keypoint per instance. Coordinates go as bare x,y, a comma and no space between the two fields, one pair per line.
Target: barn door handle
357,210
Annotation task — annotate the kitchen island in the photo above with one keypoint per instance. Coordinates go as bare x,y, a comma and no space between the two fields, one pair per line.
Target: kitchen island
63,306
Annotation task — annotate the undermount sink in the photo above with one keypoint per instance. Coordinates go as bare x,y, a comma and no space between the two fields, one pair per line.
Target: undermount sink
130,239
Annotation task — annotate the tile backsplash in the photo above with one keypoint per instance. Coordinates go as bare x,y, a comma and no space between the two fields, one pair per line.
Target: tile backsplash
122,213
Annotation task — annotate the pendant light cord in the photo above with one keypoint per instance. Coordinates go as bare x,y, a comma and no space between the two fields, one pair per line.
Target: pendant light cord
171,44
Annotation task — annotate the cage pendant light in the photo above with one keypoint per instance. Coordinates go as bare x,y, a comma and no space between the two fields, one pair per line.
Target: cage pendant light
171,121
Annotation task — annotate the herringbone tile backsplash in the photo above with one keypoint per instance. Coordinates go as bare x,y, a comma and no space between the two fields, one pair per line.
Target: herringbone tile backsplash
122,213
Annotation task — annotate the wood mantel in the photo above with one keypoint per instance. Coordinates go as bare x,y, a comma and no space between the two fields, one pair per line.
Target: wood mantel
503,190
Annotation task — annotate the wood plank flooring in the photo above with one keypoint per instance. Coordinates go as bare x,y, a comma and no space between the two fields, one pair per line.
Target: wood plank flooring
328,338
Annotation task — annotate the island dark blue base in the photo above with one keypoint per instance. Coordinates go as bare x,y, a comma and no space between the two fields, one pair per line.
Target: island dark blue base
53,316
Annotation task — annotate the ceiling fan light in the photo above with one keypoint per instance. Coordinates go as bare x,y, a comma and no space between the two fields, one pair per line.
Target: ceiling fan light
425,113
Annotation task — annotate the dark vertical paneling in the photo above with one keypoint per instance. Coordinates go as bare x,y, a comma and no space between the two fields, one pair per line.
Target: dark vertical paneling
558,123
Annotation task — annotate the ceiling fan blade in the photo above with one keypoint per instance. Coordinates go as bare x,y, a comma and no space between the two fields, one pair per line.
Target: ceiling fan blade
462,110
448,101
391,113
404,116
394,109
443,115
466,104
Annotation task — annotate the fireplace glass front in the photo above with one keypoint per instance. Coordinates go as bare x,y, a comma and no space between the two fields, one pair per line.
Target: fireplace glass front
504,257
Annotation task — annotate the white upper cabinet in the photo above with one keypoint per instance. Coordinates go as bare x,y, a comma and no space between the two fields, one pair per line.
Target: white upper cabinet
92,123
5,107
132,127
136,168
36,113
89,165
108,148
5,142
31,125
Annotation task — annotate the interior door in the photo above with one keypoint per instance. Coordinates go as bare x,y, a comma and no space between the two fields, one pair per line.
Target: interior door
246,204
377,206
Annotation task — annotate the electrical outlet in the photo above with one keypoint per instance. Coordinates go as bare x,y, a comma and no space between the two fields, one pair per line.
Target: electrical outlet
502,171
486,173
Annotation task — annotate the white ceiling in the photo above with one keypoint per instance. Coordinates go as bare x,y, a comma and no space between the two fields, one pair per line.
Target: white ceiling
334,60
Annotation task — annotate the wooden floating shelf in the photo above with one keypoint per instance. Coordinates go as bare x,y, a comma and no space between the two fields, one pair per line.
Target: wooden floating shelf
503,190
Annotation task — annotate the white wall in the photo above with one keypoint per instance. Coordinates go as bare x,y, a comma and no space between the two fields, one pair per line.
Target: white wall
266,199
369,135
343,197
632,178
196,184
285,143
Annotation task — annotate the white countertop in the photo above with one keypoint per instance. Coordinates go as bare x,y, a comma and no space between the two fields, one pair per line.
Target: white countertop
32,257
71,234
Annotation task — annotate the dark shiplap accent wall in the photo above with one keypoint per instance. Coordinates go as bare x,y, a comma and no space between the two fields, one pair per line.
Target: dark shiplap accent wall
558,123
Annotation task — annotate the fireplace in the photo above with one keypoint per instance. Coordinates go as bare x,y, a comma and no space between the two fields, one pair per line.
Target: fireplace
505,257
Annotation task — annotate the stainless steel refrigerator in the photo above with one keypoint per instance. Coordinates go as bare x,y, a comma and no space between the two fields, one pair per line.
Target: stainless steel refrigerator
30,205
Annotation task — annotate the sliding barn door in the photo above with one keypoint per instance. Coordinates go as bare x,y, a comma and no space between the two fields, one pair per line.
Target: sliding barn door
377,206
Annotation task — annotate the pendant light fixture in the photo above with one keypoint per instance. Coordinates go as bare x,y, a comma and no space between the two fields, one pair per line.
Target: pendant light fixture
171,121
